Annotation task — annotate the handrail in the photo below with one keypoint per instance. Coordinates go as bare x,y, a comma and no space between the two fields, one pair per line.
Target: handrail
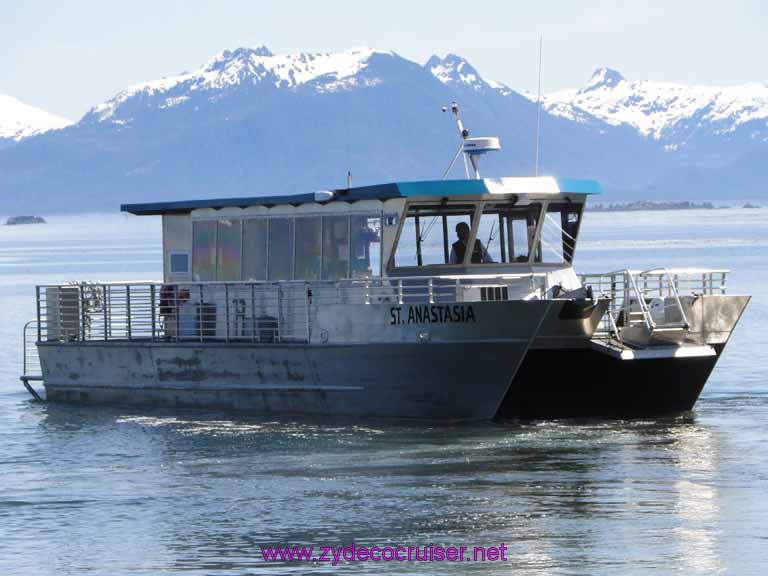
676,294
472,277
285,311
612,323
689,271
629,291
241,311
30,359
640,301
31,369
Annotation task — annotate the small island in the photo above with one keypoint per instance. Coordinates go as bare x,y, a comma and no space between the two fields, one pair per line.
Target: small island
649,205
17,220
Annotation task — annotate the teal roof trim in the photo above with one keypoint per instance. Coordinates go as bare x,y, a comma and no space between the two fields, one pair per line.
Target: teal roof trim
379,192
442,187
575,186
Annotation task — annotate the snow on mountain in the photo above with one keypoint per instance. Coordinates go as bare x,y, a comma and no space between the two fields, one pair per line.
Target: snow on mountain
662,110
453,70
243,66
250,122
19,120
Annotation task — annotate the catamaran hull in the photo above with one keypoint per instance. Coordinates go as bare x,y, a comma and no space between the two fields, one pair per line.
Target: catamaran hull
548,367
436,381
605,379
591,383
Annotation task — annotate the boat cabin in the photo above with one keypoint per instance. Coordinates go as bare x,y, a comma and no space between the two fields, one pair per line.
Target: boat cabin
514,225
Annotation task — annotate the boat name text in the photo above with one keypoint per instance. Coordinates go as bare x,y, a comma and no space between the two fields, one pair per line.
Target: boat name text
432,314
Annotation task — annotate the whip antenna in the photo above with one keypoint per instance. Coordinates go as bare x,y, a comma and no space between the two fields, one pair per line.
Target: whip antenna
538,109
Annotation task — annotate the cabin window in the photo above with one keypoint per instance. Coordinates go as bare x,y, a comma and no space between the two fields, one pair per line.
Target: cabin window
489,241
366,246
558,233
280,249
335,247
429,235
307,266
255,234
284,248
507,231
521,233
179,262
204,250
228,250
406,245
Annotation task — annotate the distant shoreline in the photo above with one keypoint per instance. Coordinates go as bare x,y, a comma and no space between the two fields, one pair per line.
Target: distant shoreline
22,220
650,205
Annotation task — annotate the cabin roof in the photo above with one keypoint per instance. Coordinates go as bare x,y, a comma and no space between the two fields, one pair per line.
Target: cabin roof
520,185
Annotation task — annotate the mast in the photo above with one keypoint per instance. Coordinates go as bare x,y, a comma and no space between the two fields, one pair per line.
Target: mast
471,147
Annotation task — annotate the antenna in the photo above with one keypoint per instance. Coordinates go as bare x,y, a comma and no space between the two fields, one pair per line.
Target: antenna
472,147
538,109
464,133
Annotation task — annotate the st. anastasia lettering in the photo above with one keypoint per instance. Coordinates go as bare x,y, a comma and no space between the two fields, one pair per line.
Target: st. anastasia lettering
432,314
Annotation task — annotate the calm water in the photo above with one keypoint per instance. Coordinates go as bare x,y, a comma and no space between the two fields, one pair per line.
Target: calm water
121,491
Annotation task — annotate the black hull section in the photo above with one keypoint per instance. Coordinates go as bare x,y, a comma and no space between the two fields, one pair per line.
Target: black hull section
589,383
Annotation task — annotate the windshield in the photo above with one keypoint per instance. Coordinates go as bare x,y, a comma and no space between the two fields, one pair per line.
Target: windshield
558,233
440,234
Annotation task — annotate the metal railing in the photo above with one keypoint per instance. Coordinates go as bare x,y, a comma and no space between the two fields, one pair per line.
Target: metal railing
30,368
652,297
244,311
270,311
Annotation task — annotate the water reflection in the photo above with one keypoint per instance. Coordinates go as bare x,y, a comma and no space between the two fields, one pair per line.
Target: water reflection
698,503
116,491
211,489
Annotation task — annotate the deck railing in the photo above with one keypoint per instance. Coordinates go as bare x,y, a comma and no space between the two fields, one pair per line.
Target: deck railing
243,311
282,311
30,362
632,294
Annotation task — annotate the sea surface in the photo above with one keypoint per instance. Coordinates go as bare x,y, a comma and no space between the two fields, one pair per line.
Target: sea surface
109,491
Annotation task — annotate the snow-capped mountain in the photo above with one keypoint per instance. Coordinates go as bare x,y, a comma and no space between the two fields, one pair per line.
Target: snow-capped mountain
19,120
251,122
249,67
454,71
673,114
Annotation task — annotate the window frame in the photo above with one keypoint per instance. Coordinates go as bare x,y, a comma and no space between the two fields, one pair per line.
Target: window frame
480,205
238,222
244,219
292,219
214,248
560,203
477,209
187,254
367,214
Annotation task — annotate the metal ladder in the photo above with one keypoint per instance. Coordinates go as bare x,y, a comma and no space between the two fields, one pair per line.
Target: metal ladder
31,370
643,317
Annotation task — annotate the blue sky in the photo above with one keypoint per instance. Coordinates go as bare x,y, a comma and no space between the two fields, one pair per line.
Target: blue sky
68,56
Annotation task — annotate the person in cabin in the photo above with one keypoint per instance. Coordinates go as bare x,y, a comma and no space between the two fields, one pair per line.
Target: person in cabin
479,253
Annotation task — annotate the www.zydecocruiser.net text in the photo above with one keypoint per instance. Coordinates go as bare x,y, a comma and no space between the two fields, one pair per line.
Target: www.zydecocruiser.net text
354,553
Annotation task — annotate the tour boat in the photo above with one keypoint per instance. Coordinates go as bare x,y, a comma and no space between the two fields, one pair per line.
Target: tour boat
440,300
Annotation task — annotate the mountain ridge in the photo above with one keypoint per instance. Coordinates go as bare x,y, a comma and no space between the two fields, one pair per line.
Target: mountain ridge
248,121
19,120
659,109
